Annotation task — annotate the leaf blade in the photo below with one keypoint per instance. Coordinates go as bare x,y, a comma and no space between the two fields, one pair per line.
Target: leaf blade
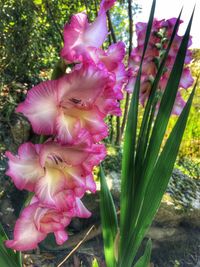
164,166
137,233
127,181
145,259
8,255
108,220
161,122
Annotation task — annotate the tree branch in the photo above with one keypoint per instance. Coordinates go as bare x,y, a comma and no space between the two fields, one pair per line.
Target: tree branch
130,15
111,27
118,128
53,20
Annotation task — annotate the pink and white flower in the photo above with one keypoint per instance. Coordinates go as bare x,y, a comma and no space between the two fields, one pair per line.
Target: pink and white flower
52,170
71,110
68,106
80,36
112,60
36,221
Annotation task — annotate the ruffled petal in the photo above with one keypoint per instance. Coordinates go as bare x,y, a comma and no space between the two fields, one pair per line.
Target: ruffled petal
50,220
75,177
130,85
186,79
80,37
81,210
96,32
70,155
67,128
109,106
26,235
74,49
112,57
92,120
49,186
72,121
105,5
61,237
82,86
40,107
90,184
178,105
25,169
56,154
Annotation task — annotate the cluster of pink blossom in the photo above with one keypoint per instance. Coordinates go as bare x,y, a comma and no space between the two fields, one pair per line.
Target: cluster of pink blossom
159,39
71,112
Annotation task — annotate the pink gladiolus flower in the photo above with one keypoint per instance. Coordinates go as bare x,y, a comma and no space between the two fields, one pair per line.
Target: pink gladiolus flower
25,168
160,35
51,169
186,79
105,5
178,105
112,61
69,105
71,110
36,221
80,36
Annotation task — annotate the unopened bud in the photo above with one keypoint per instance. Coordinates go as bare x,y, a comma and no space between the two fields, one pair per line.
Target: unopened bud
162,52
158,46
165,39
159,35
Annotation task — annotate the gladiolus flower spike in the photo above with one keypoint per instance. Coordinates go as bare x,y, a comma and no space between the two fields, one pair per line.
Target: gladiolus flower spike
160,35
71,112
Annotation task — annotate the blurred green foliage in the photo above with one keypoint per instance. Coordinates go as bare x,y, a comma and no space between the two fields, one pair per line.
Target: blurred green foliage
190,146
31,36
120,20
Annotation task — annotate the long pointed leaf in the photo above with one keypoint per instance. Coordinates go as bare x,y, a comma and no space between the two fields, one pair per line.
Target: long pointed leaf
164,166
167,104
145,259
12,257
144,133
161,122
6,260
95,263
160,177
108,221
127,182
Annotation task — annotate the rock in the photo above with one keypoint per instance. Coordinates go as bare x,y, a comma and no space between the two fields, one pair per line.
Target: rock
7,216
13,132
114,183
161,234
20,129
198,264
182,191
168,216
